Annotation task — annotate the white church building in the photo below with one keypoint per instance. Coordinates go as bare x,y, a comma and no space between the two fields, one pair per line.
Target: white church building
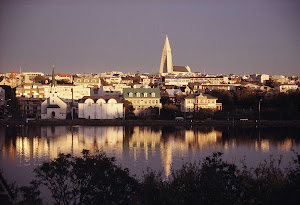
100,107
166,64
53,107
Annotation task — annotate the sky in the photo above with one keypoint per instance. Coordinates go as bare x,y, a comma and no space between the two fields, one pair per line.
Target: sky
93,36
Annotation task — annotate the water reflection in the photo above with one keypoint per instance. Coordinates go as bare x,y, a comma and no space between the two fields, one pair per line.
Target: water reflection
139,147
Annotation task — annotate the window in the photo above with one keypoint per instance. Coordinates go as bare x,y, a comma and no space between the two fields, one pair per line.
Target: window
86,80
153,95
153,101
138,95
130,94
145,95
145,101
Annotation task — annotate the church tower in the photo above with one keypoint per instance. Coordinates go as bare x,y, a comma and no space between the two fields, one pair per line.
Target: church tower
166,65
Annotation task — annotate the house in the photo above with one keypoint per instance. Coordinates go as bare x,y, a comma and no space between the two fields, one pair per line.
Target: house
203,101
100,107
87,81
285,88
177,81
260,78
53,107
142,99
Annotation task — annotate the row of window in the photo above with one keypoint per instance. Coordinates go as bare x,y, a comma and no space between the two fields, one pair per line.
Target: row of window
201,101
144,95
144,102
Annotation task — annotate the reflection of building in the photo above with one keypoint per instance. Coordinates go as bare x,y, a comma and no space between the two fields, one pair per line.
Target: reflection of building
144,138
195,138
203,101
142,99
105,107
2,101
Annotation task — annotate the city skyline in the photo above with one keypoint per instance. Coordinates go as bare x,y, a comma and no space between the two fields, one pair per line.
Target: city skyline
241,37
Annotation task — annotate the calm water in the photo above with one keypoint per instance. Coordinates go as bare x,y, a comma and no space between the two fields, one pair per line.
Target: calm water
24,148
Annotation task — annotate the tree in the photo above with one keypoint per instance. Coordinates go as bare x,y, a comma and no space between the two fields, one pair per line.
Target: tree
87,180
128,109
39,79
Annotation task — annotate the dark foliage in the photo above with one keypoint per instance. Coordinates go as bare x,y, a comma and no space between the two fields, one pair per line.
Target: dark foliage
98,180
244,103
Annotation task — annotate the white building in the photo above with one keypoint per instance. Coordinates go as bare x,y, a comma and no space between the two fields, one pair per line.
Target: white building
53,107
203,101
261,78
100,107
29,76
285,88
177,81
166,64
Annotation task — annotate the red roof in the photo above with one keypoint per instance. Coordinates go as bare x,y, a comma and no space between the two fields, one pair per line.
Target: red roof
63,74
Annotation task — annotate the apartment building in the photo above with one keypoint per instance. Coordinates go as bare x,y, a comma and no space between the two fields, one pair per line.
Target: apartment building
142,99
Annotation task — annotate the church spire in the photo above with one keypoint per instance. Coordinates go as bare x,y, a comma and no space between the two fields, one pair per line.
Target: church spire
53,82
167,46
166,65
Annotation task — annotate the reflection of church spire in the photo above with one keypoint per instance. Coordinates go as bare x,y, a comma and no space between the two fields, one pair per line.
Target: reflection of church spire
53,82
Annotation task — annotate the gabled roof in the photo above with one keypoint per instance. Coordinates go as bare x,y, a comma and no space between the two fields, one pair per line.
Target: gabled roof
191,96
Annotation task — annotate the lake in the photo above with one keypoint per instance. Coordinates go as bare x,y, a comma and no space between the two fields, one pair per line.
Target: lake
137,148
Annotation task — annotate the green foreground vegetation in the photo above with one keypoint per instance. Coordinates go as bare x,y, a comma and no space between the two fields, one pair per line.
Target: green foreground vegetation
97,179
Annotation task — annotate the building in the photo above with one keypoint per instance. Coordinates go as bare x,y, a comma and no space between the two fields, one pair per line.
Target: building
29,76
142,99
100,107
87,81
53,107
193,103
177,81
211,80
64,91
285,88
260,78
31,90
109,90
166,64
63,77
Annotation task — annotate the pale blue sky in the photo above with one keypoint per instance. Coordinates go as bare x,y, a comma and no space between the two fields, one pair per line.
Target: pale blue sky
228,36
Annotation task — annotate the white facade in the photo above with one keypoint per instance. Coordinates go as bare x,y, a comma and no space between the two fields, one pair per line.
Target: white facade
285,88
177,81
100,108
65,91
53,107
166,65
261,78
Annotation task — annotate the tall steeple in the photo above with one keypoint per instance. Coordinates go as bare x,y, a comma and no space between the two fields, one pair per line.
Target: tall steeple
53,82
166,65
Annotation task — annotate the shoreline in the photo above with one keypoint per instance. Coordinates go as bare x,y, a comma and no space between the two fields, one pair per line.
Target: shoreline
289,123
